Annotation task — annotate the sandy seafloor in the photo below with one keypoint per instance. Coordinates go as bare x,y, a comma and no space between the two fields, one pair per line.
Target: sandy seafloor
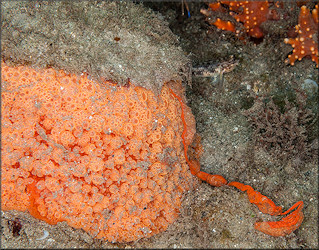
219,217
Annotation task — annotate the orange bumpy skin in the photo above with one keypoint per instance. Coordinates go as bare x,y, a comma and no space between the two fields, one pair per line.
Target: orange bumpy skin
224,25
250,13
105,159
306,43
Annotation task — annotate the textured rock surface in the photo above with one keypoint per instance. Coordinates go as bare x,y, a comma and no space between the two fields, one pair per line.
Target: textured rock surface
109,40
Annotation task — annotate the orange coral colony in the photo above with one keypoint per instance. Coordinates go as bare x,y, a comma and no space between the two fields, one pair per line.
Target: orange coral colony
306,43
103,158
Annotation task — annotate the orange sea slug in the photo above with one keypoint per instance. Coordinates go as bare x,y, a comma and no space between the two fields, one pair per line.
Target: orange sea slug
107,159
